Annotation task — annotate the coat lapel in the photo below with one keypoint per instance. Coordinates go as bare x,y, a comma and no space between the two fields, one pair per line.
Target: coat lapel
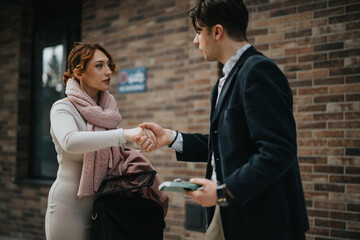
215,111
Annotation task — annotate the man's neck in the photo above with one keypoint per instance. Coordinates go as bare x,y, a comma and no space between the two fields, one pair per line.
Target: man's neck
230,47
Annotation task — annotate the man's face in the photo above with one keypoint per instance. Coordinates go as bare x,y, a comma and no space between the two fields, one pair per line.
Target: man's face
206,43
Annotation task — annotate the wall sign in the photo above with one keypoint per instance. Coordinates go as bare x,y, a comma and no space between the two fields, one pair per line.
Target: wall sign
132,80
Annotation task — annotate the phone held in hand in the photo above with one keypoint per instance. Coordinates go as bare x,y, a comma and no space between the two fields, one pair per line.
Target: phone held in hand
179,185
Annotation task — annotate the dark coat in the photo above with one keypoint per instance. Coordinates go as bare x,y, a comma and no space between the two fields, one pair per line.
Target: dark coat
253,137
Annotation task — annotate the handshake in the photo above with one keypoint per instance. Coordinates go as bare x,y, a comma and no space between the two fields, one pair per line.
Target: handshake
149,136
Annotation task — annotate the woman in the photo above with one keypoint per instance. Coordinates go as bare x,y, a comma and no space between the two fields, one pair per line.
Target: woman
84,127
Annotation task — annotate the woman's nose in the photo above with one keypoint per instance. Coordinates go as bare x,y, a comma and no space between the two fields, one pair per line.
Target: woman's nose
108,70
196,40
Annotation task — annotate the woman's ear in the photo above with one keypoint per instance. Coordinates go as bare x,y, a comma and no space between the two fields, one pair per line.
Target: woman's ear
78,74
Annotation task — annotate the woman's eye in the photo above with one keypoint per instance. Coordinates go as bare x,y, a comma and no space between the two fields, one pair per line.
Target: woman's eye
99,65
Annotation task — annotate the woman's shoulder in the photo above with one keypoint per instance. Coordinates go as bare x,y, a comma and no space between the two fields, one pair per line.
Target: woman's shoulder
63,103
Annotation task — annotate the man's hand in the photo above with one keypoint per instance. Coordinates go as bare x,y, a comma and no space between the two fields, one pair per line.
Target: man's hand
163,136
206,197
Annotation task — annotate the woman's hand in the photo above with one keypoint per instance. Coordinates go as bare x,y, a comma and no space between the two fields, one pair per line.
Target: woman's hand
147,137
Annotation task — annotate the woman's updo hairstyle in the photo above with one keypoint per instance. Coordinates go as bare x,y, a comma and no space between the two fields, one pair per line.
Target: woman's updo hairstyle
80,56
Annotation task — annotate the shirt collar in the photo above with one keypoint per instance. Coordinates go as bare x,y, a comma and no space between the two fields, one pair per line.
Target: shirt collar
234,58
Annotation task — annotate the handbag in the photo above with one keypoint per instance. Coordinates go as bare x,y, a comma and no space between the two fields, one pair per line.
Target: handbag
121,213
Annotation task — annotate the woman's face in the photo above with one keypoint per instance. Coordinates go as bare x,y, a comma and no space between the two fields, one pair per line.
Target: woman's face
97,75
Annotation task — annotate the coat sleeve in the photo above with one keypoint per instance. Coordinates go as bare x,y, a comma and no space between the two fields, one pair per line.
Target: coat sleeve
195,148
267,100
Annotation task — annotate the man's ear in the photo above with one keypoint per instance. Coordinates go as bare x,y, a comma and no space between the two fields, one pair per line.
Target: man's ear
218,31
78,74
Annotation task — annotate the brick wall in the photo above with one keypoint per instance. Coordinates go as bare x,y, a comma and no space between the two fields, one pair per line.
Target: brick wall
22,206
315,42
157,35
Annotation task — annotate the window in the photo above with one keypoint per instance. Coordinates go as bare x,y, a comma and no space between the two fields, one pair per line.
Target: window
56,28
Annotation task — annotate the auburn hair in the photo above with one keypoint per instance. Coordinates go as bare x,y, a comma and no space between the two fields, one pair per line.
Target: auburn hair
80,56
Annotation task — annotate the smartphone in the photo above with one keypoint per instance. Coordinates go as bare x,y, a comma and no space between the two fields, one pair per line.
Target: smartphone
179,186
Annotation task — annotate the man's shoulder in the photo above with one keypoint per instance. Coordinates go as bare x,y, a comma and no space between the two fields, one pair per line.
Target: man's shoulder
258,60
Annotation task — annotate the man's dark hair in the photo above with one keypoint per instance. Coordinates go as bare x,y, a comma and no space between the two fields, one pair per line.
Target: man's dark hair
231,14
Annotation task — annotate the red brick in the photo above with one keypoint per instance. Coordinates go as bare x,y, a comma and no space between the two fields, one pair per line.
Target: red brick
329,151
344,142
319,231
344,18
330,224
323,178
352,115
352,97
328,134
353,188
313,57
353,207
344,71
326,12
327,116
307,142
311,125
283,12
302,83
344,53
329,64
312,40
313,91
345,179
330,98
329,205
329,187
312,108
329,46
352,134
353,225
354,124
353,170
318,73
329,169
352,151
345,234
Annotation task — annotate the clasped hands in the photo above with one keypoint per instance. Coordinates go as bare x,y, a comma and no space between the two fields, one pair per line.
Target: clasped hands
152,136
149,136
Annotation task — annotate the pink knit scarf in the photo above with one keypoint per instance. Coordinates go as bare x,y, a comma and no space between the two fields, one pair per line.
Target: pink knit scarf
108,162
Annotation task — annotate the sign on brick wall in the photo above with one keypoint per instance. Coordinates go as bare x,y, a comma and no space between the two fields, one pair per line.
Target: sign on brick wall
132,80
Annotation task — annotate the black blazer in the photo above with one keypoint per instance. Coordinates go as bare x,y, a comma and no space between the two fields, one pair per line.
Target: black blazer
253,138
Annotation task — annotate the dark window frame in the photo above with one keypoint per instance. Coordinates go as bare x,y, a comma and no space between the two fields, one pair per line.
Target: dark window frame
39,18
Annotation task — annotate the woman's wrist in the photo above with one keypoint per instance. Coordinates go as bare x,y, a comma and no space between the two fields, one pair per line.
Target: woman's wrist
122,137
129,134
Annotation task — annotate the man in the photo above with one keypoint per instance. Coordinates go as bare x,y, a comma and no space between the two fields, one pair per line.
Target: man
251,151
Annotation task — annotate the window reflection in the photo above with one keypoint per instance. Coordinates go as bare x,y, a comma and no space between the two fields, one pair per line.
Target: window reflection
53,67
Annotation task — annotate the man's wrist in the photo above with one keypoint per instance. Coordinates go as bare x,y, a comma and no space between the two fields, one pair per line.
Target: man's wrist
174,137
223,195
169,136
